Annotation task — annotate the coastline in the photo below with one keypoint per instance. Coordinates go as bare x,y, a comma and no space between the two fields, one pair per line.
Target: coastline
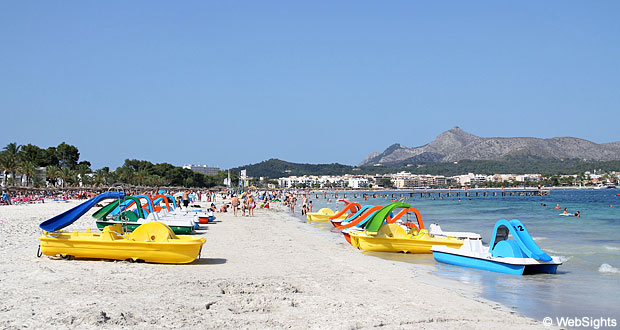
269,271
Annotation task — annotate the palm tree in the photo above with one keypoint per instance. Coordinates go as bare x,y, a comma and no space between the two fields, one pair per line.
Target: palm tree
81,171
11,153
99,177
125,174
52,173
4,166
29,170
37,181
67,176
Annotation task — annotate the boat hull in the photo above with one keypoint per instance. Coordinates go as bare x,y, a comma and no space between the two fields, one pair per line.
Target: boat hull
90,245
322,217
420,245
203,220
493,265
347,237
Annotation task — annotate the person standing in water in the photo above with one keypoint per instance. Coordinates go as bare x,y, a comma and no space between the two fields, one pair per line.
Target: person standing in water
304,205
291,202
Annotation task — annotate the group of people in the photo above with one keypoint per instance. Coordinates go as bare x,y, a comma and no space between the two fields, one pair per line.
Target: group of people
8,197
565,211
290,200
246,205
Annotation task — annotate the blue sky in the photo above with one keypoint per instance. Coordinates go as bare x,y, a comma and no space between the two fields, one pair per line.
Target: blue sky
229,83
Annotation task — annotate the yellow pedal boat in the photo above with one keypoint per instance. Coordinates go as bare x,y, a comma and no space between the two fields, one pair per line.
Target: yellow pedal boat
324,214
383,235
393,238
150,242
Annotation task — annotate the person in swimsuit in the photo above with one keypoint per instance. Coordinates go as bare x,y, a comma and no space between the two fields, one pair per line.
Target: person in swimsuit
185,198
251,206
244,206
304,205
235,204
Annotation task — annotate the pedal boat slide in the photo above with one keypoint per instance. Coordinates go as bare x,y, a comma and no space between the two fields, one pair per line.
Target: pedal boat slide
118,212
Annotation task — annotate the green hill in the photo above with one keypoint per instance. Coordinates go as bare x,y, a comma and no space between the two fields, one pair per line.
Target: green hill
275,168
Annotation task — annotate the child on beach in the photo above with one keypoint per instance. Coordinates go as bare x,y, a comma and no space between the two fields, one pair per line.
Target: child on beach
251,206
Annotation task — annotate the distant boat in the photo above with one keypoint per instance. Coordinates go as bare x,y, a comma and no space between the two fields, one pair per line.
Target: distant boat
604,186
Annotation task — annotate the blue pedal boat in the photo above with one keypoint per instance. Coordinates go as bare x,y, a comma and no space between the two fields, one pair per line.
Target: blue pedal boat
518,256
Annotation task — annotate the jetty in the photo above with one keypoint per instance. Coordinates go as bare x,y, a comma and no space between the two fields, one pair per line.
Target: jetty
434,193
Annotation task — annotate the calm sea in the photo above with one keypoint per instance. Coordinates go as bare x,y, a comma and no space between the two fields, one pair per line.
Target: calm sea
586,285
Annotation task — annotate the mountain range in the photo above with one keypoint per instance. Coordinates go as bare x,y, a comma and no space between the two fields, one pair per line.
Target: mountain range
456,145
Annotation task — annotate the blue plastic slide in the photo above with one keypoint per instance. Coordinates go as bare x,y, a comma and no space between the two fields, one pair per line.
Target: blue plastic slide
66,218
526,239
522,245
357,214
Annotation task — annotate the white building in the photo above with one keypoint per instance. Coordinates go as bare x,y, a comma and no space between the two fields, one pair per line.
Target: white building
357,183
528,177
204,169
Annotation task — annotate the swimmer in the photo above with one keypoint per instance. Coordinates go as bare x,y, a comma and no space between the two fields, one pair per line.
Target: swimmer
565,211
557,206
577,214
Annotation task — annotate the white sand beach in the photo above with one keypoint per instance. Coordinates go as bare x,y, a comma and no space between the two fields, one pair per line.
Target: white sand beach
266,272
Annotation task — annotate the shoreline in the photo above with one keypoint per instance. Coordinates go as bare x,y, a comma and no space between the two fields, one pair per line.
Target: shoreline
269,271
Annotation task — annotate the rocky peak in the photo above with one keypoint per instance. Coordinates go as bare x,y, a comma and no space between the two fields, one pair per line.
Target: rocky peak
369,159
392,148
456,144
451,140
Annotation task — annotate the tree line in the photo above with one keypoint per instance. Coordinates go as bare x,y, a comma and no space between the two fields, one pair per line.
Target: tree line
62,168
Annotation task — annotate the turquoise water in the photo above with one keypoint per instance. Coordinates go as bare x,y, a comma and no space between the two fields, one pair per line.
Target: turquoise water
586,285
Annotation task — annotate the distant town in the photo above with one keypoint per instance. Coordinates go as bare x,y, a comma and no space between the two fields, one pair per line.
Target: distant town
404,180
